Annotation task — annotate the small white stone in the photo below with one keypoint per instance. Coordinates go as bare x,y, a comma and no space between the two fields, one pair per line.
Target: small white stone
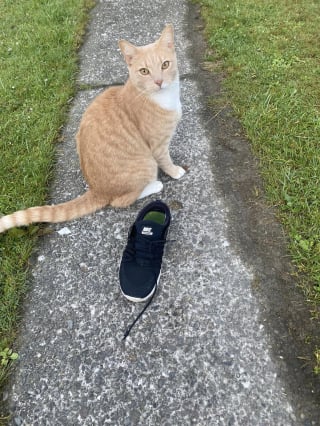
83,267
41,258
64,231
117,234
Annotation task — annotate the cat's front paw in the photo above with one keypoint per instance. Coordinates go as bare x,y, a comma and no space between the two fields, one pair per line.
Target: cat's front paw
177,172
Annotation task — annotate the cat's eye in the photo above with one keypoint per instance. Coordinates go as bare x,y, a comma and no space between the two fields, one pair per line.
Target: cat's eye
165,65
144,71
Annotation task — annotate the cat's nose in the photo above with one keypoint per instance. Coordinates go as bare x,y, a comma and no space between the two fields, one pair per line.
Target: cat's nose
159,82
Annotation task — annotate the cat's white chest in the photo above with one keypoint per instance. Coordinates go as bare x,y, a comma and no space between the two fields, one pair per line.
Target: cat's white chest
169,97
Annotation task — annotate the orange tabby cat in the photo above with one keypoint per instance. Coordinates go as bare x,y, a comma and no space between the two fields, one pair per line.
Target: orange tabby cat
124,136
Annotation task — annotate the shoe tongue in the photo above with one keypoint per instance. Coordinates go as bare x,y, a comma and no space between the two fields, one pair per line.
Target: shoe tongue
149,229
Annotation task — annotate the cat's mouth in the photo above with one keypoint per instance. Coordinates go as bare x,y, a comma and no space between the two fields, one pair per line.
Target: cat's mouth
161,86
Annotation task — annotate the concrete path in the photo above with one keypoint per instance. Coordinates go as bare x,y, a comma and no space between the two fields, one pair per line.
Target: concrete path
215,347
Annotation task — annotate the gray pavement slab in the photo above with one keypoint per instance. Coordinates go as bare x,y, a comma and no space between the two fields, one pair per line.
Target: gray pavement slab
203,353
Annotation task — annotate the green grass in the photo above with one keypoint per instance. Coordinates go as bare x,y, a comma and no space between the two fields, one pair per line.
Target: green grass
270,53
38,63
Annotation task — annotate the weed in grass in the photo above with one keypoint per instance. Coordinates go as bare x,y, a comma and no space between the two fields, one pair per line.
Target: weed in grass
7,356
317,363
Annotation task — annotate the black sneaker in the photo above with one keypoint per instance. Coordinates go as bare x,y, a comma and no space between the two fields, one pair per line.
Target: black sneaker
142,258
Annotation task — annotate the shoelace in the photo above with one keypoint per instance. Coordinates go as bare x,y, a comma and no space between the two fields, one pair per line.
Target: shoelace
127,332
144,250
130,327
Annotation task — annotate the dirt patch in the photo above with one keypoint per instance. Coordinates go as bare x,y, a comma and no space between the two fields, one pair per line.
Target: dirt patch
258,238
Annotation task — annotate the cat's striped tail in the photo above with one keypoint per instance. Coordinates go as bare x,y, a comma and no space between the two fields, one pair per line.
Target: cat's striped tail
81,206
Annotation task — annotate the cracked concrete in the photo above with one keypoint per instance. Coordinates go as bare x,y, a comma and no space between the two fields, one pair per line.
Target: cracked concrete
216,346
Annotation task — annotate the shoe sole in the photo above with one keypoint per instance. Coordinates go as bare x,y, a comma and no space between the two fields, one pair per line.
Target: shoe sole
137,299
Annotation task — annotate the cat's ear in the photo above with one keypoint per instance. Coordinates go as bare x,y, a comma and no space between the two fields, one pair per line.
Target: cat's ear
128,50
167,37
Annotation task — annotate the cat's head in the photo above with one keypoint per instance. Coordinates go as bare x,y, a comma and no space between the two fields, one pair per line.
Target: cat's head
152,67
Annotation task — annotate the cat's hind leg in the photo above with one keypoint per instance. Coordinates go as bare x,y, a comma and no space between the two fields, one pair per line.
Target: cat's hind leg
126,199
152,188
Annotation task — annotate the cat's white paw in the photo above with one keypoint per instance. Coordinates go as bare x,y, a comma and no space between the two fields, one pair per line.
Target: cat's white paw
178,172
151,188
157,186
